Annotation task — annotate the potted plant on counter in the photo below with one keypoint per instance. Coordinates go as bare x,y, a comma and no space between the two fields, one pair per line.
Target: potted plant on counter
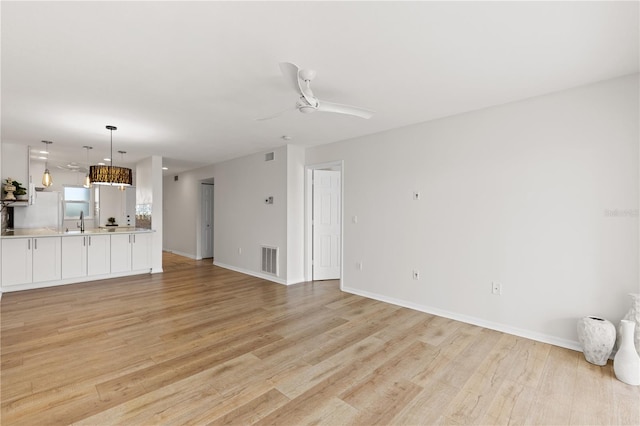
111,221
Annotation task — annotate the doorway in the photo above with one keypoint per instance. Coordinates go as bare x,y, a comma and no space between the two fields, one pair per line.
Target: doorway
324,222
206,222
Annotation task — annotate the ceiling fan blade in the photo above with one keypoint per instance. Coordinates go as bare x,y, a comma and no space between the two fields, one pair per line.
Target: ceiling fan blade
277,114
344,109
290,74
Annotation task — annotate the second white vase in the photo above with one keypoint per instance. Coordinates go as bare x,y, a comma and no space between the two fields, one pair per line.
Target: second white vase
626,363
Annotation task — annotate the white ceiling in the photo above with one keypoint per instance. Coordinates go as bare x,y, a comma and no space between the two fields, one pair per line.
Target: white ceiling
186,80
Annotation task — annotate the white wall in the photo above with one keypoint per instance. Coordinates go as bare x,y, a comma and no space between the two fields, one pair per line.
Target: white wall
15,163
181,206
149,190
521,194
295,213
242,220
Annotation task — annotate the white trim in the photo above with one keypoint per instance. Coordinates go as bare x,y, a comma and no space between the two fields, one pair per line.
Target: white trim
256,274
540,337
77,280
179,253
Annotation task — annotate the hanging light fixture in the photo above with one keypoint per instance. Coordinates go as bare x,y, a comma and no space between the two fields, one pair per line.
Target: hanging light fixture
87,180
110,175
122,153
47,180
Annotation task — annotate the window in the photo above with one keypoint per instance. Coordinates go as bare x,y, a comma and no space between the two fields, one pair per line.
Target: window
76,199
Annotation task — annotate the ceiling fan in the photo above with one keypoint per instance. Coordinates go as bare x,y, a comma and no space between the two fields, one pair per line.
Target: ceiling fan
73,167
300,81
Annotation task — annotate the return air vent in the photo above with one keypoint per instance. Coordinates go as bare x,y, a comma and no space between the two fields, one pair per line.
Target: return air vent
270,260
269,156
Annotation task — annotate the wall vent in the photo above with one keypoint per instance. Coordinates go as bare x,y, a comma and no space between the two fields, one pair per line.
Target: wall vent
269,156
270,260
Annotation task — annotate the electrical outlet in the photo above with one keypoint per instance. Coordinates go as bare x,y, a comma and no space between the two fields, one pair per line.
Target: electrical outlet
496,288
416,195
359,266
416,274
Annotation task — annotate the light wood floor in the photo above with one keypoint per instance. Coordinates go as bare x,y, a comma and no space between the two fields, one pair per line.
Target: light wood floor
203,345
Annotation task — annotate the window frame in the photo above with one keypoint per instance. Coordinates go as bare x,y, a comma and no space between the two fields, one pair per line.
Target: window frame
66,202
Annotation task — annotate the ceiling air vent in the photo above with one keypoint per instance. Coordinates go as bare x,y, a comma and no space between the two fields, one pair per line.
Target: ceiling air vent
269,156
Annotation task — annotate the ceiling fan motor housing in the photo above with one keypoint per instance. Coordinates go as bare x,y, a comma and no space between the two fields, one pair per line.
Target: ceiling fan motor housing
307,75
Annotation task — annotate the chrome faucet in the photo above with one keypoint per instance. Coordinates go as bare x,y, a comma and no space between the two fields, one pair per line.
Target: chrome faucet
81,226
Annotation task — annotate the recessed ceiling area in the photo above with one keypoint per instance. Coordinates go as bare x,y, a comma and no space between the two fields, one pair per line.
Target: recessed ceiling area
187,80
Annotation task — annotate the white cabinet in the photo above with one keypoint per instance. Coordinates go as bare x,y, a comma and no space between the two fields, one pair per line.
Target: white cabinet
85,255
30,260
46,259
98,254
120,253
74,257
34,262
141,251
16,261
130,252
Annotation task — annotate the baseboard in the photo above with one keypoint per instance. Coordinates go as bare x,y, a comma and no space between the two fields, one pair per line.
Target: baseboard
528,334
179,253
253,273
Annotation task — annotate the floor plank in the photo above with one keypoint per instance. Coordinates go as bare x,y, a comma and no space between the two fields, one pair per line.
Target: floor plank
199,344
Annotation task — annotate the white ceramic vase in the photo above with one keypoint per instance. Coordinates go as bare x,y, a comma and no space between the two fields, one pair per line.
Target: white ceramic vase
597,337
626,364
633,315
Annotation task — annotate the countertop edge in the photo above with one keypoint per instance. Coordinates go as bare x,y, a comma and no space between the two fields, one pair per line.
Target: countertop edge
22,233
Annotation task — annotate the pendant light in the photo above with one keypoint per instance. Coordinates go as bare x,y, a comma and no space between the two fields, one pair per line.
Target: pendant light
122,153
110,175
87,180
47,180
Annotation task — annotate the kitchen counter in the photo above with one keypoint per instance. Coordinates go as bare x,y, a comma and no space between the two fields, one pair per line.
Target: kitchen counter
49,232
44,257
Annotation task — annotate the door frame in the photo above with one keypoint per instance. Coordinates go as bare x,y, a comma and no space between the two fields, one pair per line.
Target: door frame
209,181
308,208
204,187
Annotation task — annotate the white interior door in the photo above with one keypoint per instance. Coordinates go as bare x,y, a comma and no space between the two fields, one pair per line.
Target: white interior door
326,224
207,220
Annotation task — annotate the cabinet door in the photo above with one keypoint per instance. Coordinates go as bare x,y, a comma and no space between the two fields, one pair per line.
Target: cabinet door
74,257
98,254
141,251
120,253
16,261
46,259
